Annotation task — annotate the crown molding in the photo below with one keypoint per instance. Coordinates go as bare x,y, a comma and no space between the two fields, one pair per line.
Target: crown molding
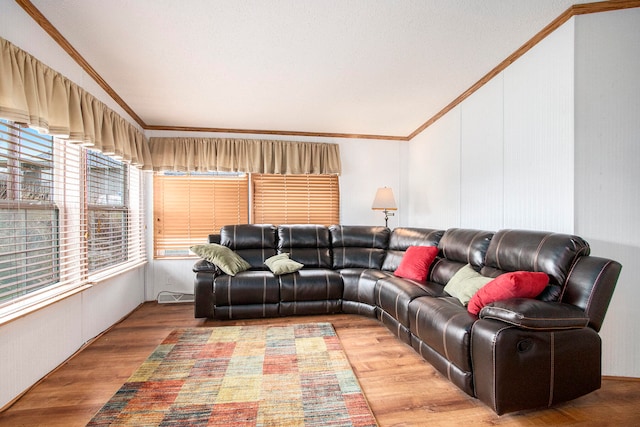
278,132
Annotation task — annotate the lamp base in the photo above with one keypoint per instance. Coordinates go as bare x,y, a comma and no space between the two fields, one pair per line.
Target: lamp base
387,214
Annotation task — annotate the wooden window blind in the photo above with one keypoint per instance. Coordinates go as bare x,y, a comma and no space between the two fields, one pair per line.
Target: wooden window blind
189,207
295,199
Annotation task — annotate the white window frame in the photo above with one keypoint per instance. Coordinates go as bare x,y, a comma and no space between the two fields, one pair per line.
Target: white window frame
70,198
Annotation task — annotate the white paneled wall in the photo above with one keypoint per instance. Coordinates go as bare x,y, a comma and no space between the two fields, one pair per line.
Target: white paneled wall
608,168
170,276
434,175
504,157
32,346
109,301
538,136
482,157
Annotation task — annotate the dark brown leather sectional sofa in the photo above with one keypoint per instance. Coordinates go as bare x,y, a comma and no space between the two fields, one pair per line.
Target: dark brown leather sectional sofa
516,354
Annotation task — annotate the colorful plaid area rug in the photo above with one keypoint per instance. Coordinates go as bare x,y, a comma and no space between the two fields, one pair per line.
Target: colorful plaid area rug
294,375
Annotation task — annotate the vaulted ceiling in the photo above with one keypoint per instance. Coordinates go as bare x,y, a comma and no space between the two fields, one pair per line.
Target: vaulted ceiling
327,67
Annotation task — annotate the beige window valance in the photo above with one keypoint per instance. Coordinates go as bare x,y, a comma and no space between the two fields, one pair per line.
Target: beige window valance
244,155
34,94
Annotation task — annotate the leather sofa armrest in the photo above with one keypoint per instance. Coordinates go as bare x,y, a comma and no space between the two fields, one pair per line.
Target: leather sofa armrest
535,314
204,266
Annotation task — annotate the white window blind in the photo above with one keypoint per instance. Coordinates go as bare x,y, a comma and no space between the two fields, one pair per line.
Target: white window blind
61,221
39,213
107,210
114,207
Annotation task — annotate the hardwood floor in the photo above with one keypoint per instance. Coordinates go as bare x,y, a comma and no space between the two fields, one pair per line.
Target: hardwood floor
402,389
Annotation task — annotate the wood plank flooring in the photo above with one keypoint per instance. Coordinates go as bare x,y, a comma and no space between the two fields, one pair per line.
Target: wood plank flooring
402,389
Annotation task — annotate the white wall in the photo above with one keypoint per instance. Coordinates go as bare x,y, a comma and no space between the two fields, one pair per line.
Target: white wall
33,345
506,157
434,175
538,136
607,184
481,158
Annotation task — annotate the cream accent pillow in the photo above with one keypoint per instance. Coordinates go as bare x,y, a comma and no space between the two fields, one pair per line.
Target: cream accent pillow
465,283
222,257
282,264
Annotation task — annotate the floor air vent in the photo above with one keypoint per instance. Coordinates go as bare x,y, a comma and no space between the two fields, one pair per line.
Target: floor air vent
173,297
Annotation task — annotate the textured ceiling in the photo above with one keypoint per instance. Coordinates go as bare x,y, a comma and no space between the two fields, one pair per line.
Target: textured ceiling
375,67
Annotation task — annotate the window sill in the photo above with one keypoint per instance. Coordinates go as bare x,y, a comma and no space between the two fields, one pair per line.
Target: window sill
38,302
46,298
164,257
114,272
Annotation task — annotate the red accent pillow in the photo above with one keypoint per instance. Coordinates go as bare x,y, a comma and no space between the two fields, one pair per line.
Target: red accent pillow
518,284
416,262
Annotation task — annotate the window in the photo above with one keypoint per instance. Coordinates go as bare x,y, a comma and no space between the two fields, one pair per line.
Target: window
296,199
66,215
190,206
29,256
107,205
187,207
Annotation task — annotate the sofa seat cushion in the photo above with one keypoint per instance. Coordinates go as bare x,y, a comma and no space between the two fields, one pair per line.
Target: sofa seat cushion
351,282
444,325
358,294
311,285
247,287
360,284
393,295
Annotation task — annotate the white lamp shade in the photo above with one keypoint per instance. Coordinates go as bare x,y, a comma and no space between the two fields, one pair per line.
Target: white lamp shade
384,200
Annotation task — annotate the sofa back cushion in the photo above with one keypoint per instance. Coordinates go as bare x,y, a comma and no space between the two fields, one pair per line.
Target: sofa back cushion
308,244
459,247
527,250
403,237
253,242
357,246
